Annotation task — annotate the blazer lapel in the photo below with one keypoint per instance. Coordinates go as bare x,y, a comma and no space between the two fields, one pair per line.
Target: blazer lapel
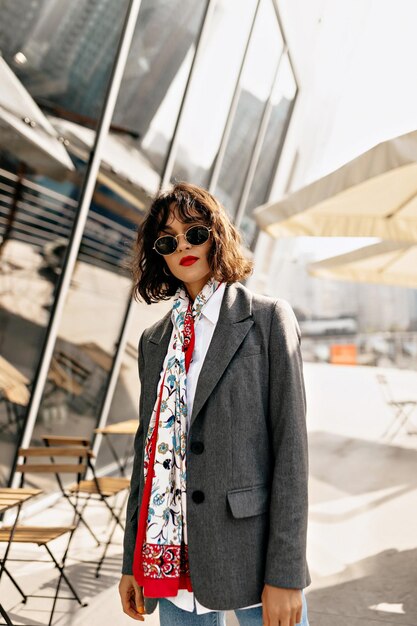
156,350
234,322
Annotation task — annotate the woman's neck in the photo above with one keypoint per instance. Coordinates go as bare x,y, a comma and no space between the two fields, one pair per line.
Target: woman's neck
193,289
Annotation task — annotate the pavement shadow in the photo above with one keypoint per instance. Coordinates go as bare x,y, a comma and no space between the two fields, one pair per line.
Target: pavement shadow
387,578
355,466
83,576
88,587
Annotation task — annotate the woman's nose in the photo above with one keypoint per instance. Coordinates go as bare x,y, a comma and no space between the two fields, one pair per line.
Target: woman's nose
182,243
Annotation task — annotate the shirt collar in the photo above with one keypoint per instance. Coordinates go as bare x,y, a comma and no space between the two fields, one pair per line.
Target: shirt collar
211,310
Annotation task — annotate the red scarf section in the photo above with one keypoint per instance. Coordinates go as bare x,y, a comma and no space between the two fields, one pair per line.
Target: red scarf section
167,586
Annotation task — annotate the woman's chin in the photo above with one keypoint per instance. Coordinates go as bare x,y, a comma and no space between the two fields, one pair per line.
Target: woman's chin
193,276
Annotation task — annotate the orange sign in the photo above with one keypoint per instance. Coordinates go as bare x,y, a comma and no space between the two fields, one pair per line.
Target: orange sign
343,354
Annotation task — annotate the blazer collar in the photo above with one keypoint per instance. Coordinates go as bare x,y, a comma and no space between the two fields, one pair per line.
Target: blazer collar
236,306
235,320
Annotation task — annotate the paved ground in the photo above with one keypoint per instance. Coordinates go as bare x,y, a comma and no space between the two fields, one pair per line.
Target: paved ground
362,530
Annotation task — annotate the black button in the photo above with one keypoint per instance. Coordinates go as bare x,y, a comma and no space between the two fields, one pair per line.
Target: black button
197,447
198,497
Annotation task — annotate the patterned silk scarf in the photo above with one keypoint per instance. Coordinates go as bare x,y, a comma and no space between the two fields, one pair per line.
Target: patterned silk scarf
160,562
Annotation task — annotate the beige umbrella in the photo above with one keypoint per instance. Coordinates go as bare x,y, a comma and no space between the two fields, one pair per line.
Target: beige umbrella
375,195
386,263
24,130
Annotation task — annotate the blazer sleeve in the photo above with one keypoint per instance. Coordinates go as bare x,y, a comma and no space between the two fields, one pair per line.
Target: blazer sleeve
286,564
136,479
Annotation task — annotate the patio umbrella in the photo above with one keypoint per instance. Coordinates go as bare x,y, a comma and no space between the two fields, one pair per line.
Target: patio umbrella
124,169
386,263
24,130
374,195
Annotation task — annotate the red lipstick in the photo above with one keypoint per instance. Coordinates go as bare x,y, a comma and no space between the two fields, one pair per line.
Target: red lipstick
188,260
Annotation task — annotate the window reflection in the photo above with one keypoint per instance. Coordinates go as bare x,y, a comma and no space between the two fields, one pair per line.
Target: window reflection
125,402
128,177
94,310
63,51
265,48
212,90
89,329
156,74
33,207
40,181
35,218
281,103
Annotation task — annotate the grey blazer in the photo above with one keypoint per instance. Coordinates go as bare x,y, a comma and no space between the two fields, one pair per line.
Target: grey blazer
247,456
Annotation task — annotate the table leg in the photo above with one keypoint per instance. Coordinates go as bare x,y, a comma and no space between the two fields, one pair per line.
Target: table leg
5,616
114,454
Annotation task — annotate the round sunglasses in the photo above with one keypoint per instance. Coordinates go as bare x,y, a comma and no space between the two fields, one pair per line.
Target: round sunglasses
196,236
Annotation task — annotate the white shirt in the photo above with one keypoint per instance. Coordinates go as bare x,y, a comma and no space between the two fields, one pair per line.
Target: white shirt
203,330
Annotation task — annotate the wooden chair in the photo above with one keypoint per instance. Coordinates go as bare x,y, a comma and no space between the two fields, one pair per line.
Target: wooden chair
59,440
402,409
101,488
44,535
104,487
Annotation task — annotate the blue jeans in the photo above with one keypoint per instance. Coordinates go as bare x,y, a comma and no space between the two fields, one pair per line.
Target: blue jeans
171,615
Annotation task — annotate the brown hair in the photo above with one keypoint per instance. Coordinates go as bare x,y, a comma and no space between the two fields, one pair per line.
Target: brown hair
225,258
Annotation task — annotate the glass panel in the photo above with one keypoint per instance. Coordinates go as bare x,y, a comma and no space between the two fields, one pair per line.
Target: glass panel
44,44
155,78
212,90
91,322
36,214
265,48
157,70
63,51
125,401
282,98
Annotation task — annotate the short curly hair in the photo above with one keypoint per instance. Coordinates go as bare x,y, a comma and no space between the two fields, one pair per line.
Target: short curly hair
225,258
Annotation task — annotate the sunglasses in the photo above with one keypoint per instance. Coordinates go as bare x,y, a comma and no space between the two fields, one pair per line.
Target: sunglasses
196,236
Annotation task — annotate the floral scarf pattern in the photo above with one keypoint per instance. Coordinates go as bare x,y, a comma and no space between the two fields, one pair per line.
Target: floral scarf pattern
161,553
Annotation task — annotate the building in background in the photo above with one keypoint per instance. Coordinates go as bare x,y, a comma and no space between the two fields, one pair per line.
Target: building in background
343,108
192,104
209,94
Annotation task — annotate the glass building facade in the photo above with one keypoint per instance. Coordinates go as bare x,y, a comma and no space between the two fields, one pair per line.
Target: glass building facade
102,104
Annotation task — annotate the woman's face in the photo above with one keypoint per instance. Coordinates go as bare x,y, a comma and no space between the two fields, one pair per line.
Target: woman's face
188,263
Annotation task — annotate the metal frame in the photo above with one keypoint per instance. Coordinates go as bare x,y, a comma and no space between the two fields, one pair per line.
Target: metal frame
282,141
262,129
282,29
239,213
214,177
165,178
113,378
290,112
79,224
256,152
169,165
173,147
88,190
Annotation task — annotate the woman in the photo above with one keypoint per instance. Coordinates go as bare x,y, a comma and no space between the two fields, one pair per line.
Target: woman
217,514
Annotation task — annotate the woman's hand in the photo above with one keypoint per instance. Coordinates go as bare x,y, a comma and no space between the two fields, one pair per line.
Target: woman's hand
281,607
132,597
